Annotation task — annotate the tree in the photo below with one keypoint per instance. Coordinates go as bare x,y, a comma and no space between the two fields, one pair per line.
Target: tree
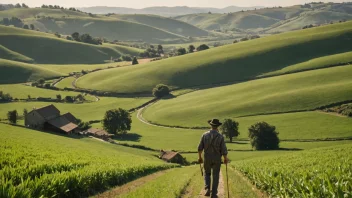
31,26
75,36
69,99
117,121
202,47
161,90
229,128
47,85
80,97
181,51
25,112
12,116
57,35
18,5
24,5
160,49
6,21
263,136
41,81
58,97
134,61
25,26
126,58
191,48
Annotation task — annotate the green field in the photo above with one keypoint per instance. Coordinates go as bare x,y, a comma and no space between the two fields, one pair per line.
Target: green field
65,51
66,83
68,68
167,24
232,63
317,173
18,72
293,92
35,164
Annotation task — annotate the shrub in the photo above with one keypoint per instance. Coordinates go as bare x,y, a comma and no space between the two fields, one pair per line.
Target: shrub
181,51
134,61
117,121
263,136
244,39
69,99
191,49
26,27
58,97
161,90
47,85
5,97
58,35
202,47
12,116
229,128
126,58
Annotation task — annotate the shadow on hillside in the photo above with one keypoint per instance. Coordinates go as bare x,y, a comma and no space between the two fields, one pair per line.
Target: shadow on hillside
290,149
128,137
280,149
237,142
170,96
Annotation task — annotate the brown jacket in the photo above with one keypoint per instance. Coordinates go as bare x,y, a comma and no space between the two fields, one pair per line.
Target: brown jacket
213,144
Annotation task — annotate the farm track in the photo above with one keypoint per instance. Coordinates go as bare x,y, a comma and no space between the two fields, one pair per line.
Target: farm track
129,187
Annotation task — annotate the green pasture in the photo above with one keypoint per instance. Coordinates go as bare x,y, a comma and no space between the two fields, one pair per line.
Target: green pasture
293,92
307,125
86,111
319,172
11,55
18,72
167,24
68,68
33,12
21,91
33,162
230,63
66,82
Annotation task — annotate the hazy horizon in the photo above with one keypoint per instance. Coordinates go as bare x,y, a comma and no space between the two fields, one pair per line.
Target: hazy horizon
138,4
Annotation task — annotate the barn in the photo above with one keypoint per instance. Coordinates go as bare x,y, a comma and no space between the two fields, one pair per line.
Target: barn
172,157
49,118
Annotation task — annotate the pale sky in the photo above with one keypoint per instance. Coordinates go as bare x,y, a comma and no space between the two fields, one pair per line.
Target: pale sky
149,3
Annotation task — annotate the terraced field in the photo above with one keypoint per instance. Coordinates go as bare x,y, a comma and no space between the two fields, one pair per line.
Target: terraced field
230,63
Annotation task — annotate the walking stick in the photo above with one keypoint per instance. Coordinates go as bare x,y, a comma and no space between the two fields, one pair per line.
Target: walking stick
227,178
201,170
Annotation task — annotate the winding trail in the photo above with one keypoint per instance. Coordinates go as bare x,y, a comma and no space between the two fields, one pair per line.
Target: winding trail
221,188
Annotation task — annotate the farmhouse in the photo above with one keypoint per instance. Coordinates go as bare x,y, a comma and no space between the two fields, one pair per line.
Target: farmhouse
171,157
49,118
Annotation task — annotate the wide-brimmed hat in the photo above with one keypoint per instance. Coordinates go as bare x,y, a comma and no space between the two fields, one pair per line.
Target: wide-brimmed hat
214,122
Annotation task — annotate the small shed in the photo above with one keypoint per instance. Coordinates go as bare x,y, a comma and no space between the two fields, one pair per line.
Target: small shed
172,157
99,133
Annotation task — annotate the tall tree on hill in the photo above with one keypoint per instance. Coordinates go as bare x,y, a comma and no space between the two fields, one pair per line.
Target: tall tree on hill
191,48
75,36
12,116
117,121
160,49
18,5
32,26
24,5
229,128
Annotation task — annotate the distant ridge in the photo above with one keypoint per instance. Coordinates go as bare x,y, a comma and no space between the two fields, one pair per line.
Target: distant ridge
163,10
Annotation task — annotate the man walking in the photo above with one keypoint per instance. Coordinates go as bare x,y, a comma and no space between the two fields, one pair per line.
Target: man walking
214,147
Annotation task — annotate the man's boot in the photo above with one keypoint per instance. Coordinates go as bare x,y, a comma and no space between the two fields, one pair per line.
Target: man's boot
207,192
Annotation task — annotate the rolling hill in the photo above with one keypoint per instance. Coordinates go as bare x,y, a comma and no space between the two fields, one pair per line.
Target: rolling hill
272,20
293,92
17,44
230,63
17,72
167,24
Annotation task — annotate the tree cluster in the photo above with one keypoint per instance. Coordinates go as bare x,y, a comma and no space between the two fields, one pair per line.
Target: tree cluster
117,121
12,21
86,38
52,6
152,52
5,97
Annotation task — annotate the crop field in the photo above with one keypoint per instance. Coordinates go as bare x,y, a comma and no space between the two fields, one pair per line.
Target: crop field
66,82
316,173
301,91
35,164
236,62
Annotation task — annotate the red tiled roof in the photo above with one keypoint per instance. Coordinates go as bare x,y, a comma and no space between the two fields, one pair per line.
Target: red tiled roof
63,124
168,155
47,111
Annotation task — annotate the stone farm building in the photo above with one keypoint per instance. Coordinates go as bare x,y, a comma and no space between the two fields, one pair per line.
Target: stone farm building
171,157
49,118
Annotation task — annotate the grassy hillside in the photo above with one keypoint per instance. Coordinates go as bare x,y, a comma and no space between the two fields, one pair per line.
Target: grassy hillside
11,55
168,24
34,162
300,91
229,63
49,49
35,12
17,72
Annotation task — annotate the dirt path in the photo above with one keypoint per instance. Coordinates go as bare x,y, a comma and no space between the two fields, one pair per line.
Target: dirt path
221,188
127,188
